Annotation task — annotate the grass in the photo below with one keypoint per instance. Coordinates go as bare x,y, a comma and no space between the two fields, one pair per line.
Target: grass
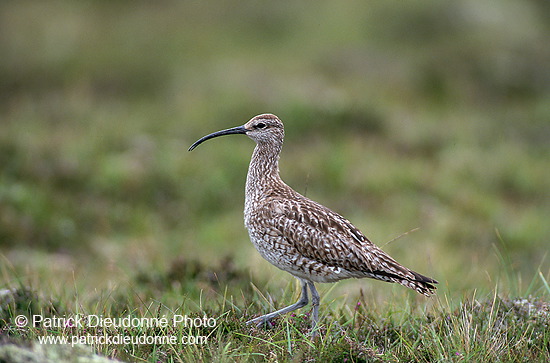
477,328
429,115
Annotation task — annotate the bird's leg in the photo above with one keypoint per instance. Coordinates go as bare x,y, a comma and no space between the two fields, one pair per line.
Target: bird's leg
315,300
261,320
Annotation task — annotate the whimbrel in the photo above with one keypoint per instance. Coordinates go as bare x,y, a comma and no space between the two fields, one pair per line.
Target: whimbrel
301,236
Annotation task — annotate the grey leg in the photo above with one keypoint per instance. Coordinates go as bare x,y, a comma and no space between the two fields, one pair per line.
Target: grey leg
315,300
261,320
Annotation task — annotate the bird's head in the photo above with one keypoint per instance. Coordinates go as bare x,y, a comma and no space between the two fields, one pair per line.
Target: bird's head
264,129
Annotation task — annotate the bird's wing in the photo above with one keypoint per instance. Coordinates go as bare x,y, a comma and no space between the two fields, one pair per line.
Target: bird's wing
322,235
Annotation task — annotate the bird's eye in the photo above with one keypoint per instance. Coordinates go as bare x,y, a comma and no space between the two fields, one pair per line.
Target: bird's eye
260,125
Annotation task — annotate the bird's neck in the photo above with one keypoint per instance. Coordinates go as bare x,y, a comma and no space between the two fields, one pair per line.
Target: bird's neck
263,173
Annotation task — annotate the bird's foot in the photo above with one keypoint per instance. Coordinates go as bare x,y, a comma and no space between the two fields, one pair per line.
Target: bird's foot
314,332
261,321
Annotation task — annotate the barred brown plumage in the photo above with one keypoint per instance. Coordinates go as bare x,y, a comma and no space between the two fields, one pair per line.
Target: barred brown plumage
301,236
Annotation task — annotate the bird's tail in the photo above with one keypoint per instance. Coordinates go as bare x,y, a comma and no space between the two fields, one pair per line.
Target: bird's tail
403,276
385,268
421,284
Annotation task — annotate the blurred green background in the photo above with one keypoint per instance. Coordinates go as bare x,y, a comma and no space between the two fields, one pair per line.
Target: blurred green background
399,115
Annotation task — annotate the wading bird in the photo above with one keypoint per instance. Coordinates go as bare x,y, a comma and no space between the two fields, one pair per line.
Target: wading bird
303,237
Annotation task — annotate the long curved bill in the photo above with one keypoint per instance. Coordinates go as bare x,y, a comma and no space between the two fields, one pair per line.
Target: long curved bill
231,131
